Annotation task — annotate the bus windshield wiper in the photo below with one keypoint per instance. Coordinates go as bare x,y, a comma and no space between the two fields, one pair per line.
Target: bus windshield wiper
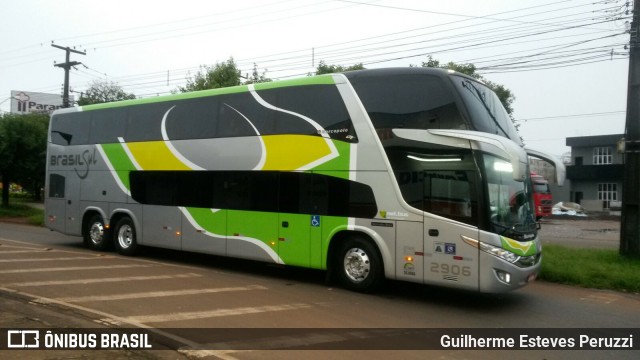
514,231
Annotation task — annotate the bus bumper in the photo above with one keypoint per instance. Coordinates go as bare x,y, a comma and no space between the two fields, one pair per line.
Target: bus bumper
501,276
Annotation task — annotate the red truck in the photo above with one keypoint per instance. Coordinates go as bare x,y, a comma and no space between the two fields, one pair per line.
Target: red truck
542,197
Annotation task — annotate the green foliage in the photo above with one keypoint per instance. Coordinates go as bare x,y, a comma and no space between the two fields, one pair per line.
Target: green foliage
592,268
222,75
256,77
33,215
102,92
26,213
323,68
213,77
23,148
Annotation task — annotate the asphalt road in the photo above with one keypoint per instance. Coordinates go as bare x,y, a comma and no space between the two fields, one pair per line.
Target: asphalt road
49,281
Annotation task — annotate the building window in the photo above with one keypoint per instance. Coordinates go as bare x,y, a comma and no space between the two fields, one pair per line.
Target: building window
607,193
602,155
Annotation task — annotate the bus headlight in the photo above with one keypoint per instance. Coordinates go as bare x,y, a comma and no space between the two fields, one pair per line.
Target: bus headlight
499,252
493,250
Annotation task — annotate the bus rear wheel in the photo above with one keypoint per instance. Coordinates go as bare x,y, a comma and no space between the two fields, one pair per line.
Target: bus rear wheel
125,237
359,265
95,234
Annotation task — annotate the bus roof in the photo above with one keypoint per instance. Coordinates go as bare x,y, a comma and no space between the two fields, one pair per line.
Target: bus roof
326,79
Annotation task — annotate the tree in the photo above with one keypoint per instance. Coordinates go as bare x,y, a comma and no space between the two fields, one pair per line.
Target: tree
23,148
213,77
505,95
103,92
256,77
323,68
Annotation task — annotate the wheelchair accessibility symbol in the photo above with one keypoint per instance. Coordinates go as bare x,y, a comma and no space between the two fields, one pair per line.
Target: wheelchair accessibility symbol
315,220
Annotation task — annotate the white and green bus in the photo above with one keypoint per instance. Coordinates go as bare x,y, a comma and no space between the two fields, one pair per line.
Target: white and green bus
410,174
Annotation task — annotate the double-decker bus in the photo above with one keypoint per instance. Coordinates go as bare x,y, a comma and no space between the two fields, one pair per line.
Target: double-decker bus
410,174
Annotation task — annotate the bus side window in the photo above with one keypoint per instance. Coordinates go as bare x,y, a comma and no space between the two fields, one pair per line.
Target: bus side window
193,119
143,123
70,129
108,125
290,199
236,191
262,191
56,186
450,194
195,188
321,103
231,122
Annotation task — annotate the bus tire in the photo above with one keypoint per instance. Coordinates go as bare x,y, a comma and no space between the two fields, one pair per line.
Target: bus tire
95,234
359,265
124,237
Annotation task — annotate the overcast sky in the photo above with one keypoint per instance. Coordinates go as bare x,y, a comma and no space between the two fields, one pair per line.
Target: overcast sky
565,61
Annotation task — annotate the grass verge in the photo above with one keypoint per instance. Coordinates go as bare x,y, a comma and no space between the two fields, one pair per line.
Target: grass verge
18,211
591,268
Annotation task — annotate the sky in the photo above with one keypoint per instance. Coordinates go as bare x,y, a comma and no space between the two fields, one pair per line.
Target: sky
564,60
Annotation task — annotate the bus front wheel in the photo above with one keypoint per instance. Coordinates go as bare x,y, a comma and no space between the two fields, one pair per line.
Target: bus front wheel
125,237
359,265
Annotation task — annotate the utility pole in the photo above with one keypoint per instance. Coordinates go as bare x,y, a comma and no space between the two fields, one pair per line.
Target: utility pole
67,66
630,221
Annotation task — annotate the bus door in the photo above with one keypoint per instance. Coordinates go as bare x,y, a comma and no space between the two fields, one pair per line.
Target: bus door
56,201
252,229
73,219
294,238
302,198
449,261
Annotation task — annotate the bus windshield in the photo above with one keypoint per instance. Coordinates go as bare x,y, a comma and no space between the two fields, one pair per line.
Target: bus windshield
485,109
509,200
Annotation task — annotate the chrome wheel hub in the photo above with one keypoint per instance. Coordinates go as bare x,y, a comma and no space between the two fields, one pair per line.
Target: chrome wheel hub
125,236
96,233
357,265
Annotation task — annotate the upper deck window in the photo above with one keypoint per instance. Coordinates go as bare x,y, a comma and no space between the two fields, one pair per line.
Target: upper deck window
314,110
411,101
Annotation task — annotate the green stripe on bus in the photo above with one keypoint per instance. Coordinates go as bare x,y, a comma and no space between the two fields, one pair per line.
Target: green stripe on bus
120,162
214,223
336,167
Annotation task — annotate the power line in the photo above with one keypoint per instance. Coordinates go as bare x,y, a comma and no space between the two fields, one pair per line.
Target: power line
545,118
378,52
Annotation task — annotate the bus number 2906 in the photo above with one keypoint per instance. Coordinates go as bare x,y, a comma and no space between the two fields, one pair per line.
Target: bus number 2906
447,269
